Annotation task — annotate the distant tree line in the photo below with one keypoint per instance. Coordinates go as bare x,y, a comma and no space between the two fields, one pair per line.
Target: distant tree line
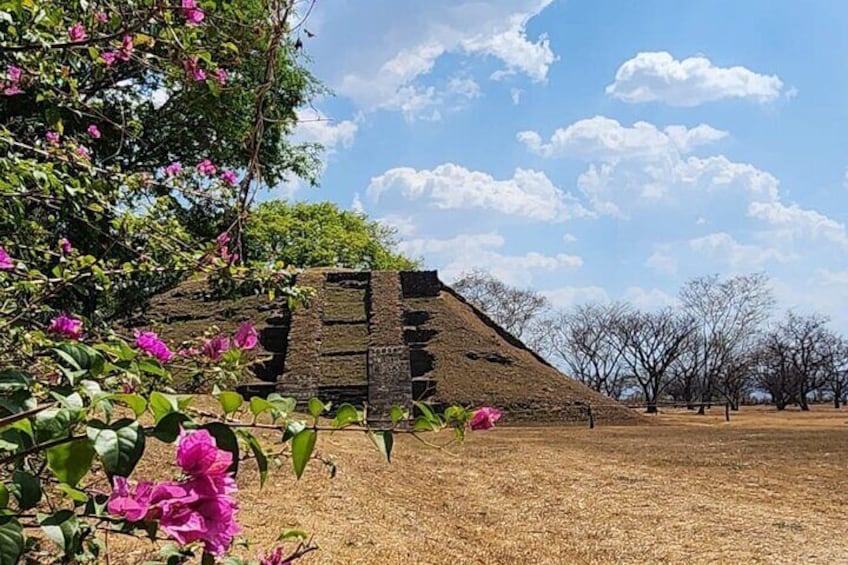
720,343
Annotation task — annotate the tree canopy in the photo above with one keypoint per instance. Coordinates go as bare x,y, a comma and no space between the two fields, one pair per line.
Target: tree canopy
321,235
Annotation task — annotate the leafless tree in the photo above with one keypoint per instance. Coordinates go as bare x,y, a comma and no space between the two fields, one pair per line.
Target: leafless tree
729,314
514,309
653,342
586,342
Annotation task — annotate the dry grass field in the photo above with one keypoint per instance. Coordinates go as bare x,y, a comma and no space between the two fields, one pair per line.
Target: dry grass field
766,488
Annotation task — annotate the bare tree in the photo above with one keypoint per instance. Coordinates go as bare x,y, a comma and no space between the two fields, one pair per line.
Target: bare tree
514,309
653,342
586,342
729,314
836,379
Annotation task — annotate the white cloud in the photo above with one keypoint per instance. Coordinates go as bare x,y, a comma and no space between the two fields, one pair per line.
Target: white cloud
466,252
658,76
385,70
569,238
357,205
662,261
649,298
464,86
567,296
515,95
791,222
605,139
404,226
315,127
722,247
528,193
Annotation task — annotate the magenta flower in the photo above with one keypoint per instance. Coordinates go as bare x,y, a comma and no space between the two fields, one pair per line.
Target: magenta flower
126,50
66,246
213,348
150,343
52,137
82,151
276,557
485,418
206,167
66,326
200,508
225,254
192,13
12,90
193,69
223,238
229,178
188,352
133,505
14,73
221,76
76,32
93,131
246,336
101,17
6,263
198,454
109,57
173,169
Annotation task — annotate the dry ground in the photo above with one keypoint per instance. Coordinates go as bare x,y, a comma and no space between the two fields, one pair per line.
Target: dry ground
765,488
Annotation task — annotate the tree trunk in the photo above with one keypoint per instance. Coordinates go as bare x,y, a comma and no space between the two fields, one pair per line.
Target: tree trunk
836,401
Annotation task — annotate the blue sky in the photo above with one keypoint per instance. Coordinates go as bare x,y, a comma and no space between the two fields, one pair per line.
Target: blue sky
593,150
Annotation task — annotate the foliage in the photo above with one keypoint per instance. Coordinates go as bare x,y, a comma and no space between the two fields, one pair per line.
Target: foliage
321,235
100,103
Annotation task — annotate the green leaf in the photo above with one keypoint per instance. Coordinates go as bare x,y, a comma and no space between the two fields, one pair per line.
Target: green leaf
384,440
258,405
162,404
4,496
230,401
225,439
136,402
11,540
70,461
54,423
63,529
74,494
167,429
26,488
152,367
292,534
293,428
346,415
422,424
398,415
258,453
119,445
316,407
301,448
13,381
81,357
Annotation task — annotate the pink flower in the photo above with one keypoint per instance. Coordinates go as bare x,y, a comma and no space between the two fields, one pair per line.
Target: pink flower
126,50
206,167
221,76
93,131
101,17
198,454
246,336
128,388
213,348
275,557
150,343
131,505
192,13
485,418
173,169
6,263
223,238
229,178
189,352
76,32
14,73
192,68
66,326
52,137
66,246
226,256
82,151
109,57
12,90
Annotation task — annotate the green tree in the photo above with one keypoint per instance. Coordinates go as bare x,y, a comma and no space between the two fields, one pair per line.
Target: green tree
321,235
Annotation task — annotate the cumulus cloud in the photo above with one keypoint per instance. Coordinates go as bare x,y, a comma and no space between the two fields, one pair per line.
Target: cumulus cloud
658,76
316,127
529,194
793,222
567,296
388,71
604,139
465,252
722,247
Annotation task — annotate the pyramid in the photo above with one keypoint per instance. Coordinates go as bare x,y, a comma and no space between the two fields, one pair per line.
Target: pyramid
385,338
